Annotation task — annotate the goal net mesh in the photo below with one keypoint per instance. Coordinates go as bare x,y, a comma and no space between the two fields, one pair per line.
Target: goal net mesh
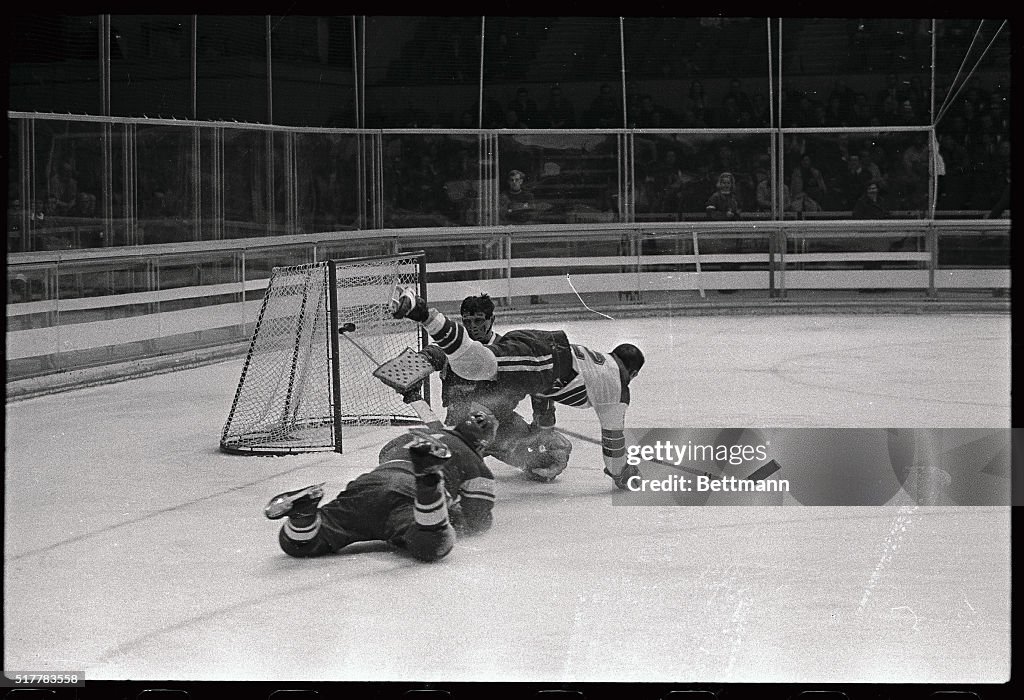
285,400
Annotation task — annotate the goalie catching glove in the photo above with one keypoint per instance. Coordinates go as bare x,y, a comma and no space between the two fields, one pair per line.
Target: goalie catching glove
542,455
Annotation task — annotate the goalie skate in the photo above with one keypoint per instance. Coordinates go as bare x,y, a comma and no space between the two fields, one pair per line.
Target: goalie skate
404,372
298,502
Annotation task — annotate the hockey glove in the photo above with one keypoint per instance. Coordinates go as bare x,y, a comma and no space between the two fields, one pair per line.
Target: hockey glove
435,356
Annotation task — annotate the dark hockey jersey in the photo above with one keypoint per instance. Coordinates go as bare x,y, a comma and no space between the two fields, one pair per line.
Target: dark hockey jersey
534,361
457,392
524,361
468,481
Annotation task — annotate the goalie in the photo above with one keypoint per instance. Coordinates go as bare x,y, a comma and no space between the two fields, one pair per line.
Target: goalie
544,365
536,448
428,484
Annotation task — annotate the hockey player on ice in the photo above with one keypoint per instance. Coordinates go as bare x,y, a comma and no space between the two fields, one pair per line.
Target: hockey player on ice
545,365
539,450
429,483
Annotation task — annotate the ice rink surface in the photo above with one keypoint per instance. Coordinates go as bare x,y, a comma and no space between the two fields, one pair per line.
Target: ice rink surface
134,549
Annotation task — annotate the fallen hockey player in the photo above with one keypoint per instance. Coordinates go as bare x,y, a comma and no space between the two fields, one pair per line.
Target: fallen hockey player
429,484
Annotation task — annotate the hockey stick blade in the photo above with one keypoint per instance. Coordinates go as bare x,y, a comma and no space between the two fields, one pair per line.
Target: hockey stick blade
342,332
764,472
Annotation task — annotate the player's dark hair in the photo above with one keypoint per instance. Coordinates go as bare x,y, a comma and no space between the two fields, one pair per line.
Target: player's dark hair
630,355
478,304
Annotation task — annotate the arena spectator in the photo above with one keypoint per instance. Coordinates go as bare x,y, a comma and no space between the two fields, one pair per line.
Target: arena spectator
726,159
516,205
819,117
424,186
63,192
969,112
802,203
740,97
729,116
856,180
512,120
807,180
85,205
907,114
842,92
667,184
646,113
724,204
604,112
1000,118
892,91
761,112
559,112
918,95
697,103
889,111
871,205
860,111
764,194
804,113
525,108
869,156
836,113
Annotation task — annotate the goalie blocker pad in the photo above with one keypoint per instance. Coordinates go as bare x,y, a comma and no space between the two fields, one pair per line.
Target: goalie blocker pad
404,372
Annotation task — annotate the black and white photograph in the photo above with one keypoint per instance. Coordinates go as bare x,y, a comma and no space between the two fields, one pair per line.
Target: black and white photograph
615,356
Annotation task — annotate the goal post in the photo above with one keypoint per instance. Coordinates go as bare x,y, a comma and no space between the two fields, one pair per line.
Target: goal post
301,381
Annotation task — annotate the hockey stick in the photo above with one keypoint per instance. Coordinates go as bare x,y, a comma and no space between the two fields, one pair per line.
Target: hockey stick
759,474
573,287
348,328
400,373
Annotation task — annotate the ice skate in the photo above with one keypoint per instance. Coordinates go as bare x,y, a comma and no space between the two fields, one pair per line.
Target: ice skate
299,502
428,453
622,480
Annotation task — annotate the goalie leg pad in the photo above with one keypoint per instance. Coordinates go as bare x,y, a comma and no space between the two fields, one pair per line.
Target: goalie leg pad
542,456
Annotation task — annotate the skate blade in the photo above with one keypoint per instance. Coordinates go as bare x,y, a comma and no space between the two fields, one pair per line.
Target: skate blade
280,506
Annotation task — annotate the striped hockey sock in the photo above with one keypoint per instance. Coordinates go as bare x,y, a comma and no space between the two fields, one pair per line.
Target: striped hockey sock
447,334
302,528
431,507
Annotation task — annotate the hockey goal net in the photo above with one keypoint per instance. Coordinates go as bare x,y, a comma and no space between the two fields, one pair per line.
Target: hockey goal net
322,329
